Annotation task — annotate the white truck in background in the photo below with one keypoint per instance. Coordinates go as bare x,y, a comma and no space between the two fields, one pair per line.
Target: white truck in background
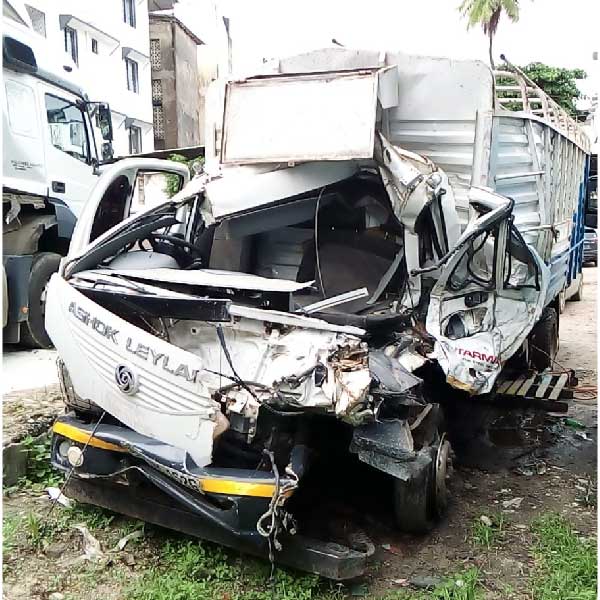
49,167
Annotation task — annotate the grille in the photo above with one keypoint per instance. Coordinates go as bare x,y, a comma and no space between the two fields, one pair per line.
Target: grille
158,120
155,59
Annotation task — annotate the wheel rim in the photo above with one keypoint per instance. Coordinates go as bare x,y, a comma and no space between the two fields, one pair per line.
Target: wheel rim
440,474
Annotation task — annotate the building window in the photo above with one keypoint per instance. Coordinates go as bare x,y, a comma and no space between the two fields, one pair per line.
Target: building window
67,127
158,122
155,61
71,44
94,46
135,140
156,91
132,75
129,12
38,19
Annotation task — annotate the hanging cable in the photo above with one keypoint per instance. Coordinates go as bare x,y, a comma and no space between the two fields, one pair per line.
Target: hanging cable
72,470
317,241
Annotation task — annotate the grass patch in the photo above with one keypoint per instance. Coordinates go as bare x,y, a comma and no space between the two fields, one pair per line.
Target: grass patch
462,586
191,569
487,535
35,530
566,564
10,533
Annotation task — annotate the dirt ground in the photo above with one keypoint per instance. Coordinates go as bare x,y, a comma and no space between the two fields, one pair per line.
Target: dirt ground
550,468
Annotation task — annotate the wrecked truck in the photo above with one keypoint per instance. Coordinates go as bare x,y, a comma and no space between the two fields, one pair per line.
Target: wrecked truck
351,260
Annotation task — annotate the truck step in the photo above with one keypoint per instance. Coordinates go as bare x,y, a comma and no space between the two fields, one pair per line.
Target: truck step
541,390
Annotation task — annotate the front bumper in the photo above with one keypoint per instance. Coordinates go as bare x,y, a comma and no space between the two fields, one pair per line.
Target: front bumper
145,479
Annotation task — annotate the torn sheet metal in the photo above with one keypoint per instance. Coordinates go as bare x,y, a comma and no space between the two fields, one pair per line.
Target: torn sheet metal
165,390
490,294
208,278
392,378
283,318
244,189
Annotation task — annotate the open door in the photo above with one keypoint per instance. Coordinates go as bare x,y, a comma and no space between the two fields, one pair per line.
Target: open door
491,292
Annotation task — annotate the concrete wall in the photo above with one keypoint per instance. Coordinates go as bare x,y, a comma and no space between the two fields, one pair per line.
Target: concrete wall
181,100
162,30
187,89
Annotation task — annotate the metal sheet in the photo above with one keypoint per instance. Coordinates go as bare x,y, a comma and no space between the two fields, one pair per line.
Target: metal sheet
210,278
245,189
333,118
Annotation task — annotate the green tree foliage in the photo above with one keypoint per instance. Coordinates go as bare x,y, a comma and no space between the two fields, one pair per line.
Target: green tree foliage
172,181
487,13
557,82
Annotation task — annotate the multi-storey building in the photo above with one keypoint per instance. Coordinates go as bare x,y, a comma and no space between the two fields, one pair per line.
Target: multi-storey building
177,102
109,43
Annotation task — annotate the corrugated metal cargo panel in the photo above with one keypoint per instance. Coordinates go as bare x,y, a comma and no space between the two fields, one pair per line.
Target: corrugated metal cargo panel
541,170
450,144
439,103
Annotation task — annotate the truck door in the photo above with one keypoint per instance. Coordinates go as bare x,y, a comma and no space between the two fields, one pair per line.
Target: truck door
488,297
69,147
22,139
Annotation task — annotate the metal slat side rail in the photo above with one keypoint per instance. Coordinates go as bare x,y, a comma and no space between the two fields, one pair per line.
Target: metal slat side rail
525,92
517,175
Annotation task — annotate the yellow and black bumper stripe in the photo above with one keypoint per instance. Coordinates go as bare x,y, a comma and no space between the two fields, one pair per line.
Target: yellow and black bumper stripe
231,487
82,436
228,487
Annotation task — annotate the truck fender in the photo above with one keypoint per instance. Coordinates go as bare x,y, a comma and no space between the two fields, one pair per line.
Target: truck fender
24,239
65,218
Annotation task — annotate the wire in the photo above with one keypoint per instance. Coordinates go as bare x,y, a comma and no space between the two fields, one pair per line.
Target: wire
70,473
317,241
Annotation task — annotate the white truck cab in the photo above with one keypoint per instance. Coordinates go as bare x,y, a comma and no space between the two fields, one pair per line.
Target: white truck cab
50,164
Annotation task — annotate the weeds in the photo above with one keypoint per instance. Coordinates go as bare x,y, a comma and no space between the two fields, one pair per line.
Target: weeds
40,473
462,586
566,564
10,531
190,569
487,535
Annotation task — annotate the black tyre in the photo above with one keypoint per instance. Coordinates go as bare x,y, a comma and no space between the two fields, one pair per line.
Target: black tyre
33,331
422,500
544,340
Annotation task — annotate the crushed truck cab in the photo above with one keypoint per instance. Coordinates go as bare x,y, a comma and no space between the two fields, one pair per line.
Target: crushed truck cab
312,299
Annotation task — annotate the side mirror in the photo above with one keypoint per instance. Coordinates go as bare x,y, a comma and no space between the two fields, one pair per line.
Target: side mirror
104,120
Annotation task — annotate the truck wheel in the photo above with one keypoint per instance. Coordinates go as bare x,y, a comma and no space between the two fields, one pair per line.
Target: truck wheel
544,340
422,500
33,331
578,295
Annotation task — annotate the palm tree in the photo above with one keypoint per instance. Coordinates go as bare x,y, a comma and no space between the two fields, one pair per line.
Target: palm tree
487,14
